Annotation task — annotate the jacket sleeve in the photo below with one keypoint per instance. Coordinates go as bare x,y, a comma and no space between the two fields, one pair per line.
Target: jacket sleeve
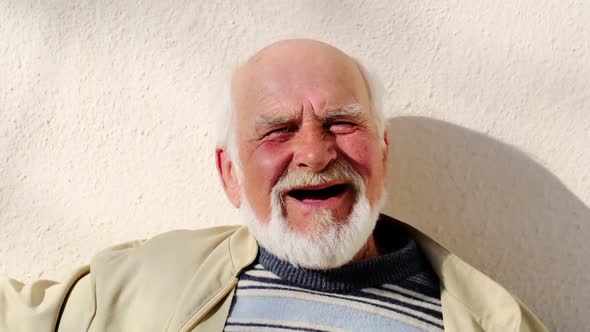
37,307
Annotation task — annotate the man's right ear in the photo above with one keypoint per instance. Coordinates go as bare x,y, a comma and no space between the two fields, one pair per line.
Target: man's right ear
229,178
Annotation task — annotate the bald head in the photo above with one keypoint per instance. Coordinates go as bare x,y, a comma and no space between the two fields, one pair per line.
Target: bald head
297,48
297,52
285,63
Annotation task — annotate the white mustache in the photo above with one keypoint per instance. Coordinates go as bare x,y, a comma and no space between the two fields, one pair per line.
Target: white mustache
337,170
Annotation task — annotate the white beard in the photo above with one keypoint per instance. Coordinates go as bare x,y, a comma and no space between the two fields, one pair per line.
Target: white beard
334,246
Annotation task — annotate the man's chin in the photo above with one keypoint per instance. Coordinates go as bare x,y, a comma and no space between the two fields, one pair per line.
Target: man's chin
316,221
315,216
334,245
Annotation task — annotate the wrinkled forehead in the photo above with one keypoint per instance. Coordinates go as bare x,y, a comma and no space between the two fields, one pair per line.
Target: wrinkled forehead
275,85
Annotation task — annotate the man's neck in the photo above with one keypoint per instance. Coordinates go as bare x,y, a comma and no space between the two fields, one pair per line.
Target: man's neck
369,250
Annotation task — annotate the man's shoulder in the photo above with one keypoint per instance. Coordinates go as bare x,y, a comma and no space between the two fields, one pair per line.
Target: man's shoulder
168,257
165,275
179,245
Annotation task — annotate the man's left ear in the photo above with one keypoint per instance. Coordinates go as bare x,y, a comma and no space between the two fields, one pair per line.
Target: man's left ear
229,178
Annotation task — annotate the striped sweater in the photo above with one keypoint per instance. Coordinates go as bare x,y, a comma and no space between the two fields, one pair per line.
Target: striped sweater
394,292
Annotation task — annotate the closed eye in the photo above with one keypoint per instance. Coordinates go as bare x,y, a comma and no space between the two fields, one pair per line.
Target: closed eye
280,131
342,127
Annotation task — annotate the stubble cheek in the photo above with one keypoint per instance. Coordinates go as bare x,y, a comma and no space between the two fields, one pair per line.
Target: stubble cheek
365,154
357,148
266,163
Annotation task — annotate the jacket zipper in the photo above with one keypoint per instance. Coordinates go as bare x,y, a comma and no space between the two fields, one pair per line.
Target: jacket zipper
196,318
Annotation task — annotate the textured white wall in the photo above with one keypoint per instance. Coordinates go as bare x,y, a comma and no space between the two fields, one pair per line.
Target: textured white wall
107,113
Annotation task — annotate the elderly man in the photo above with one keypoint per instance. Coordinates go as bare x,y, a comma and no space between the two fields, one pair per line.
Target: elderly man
304,159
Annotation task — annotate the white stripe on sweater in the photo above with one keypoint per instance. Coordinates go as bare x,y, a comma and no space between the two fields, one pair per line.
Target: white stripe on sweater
349,301
293,324
411,293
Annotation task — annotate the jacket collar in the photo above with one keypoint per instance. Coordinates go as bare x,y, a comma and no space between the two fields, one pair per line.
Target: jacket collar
494,308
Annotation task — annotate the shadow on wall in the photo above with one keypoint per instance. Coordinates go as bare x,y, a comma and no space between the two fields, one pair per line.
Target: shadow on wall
497,209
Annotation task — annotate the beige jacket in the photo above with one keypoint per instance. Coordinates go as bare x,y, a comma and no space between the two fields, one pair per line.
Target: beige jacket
184,281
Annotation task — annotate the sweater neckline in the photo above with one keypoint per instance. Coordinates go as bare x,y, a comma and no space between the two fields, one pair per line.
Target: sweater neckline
389,268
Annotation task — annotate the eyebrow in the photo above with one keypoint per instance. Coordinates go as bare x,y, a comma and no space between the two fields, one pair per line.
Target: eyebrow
352,111
271,121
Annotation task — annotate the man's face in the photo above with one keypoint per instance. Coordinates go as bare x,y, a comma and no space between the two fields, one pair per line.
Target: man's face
300,118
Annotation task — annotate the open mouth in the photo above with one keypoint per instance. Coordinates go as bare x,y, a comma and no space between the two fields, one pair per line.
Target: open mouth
319,194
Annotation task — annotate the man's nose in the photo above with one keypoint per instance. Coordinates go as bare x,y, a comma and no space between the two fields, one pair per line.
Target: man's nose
314,151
